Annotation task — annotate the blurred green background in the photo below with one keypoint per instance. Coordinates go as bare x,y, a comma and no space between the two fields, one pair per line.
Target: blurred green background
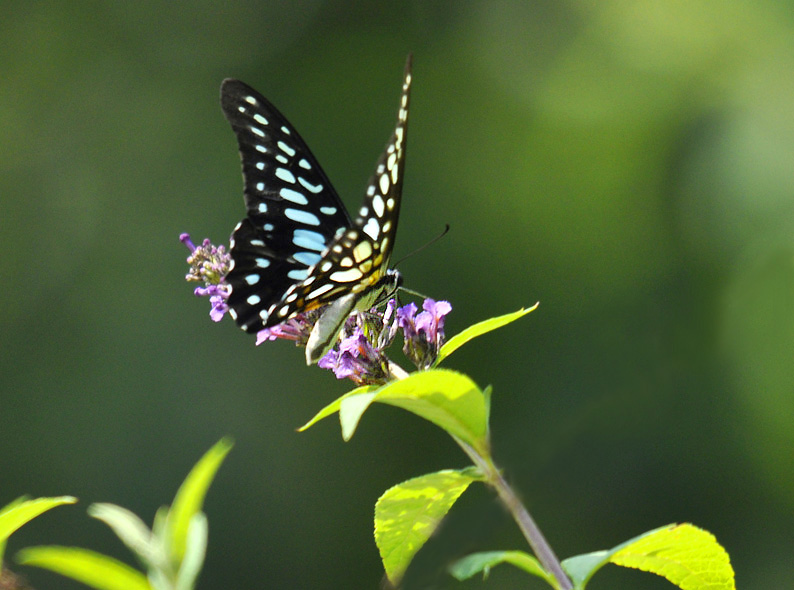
627,164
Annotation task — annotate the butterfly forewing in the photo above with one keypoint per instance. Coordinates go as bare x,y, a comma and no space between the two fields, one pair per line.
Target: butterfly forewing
294,212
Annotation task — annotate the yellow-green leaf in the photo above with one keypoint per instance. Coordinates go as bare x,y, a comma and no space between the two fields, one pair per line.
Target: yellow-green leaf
479,329
19,512
92,569
190,497
473,564
334,406
686,555
446,398
407,514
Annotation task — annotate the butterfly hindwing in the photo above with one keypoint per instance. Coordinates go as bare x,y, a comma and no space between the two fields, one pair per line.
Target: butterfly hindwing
358,259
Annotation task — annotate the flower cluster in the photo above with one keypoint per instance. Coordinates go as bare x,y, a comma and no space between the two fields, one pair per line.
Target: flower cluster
360,353
209,265
360,356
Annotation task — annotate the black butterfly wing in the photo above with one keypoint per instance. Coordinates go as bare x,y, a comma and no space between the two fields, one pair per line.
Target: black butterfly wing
294,213
357,261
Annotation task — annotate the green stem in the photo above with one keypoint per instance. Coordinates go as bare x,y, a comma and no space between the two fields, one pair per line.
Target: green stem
532,534
534,537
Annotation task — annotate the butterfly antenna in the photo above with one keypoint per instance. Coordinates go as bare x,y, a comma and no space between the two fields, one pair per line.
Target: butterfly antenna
419,249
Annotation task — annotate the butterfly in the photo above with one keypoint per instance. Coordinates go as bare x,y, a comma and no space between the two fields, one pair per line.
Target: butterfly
298,249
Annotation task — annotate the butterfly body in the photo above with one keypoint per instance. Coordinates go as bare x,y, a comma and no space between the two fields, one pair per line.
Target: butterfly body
298,249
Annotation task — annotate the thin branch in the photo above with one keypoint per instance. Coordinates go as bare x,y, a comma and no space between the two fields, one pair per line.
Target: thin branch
530,530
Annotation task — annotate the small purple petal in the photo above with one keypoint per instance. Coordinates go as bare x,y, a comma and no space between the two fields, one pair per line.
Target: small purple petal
329,360
219,308
185,239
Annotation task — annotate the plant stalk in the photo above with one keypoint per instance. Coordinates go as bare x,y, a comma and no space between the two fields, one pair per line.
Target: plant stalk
530,530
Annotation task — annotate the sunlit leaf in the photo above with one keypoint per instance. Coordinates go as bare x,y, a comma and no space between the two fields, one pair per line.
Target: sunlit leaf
446,398
22,510
687,556
90,568
190,496
350,411
195,550
479,329
473,564
407,514
333,407
132,531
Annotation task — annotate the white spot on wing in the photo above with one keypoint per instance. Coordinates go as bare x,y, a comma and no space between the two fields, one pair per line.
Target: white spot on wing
309,186
384,184
319,291
285,175
378,205
346,276
372,229
256,130
307,258
253,299
293,196
284,147
298,274
260,119
302,216
308,239
328,210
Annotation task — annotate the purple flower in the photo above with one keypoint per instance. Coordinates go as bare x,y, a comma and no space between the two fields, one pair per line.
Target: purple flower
296,329
209,265
423,333
358,359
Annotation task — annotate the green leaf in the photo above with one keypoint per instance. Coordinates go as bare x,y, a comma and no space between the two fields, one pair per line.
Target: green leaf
190,497
446,398
92,569
195,552
479,329
132,531
465,568
687,556
580,568
407,514
334,406
22,510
